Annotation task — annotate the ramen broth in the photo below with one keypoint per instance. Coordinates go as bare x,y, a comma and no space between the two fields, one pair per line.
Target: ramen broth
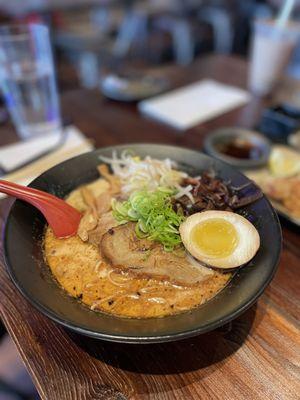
80,270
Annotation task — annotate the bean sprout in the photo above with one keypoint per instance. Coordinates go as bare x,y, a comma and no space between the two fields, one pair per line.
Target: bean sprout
136,174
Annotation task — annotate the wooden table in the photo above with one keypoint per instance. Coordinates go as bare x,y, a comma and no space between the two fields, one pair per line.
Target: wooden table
254,357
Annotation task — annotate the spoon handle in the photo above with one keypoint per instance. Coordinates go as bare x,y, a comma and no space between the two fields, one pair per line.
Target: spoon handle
63,218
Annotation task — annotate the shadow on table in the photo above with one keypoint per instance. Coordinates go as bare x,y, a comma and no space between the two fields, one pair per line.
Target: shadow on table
173,357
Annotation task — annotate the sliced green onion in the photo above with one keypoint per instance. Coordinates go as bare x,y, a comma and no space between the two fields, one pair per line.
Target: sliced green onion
153,214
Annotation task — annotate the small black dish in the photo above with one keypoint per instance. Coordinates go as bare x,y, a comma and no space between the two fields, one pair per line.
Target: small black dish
279,121
219,138
23,250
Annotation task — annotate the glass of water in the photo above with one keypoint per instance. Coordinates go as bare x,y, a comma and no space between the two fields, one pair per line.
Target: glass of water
27,79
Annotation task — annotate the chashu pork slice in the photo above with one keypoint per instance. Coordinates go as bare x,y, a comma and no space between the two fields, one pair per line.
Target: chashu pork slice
123,250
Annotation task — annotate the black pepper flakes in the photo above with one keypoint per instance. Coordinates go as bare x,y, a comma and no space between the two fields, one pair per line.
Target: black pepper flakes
111,231
110,302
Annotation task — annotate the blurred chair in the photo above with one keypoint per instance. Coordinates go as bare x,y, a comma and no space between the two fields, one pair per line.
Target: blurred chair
166,15
87,38
128,30
177,18
221,24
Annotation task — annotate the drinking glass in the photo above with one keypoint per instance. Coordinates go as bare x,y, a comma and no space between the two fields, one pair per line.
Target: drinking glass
27,79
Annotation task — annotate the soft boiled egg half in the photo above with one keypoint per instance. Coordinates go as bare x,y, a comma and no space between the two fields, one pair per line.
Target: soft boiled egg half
221,239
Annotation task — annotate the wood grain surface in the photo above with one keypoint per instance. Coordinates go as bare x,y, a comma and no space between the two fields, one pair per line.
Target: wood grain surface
256,356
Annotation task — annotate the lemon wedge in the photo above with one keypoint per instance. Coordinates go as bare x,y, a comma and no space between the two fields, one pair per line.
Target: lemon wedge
284,162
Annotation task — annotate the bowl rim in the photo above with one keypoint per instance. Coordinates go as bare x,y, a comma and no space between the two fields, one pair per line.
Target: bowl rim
144,339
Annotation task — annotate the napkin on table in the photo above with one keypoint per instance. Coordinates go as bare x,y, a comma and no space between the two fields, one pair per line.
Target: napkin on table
190,105
16,154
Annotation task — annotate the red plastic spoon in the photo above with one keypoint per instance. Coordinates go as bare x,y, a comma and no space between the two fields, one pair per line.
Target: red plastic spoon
63,218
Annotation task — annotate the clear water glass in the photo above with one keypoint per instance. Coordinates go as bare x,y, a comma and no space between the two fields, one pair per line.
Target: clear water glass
27,79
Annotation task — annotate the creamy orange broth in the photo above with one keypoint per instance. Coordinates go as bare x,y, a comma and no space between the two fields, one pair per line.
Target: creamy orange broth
78,268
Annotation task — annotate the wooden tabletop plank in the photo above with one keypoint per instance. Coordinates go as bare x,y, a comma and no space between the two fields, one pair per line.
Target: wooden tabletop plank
254,357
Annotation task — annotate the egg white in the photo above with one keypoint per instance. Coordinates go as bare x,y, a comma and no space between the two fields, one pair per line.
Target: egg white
247,246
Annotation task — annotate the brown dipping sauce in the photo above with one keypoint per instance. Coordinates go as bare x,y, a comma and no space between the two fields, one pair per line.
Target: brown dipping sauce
240,148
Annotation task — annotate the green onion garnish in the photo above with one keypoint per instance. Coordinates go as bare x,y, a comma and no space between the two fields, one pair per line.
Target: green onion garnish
154,216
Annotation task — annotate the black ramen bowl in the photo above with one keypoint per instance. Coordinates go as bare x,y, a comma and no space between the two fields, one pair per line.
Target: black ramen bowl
23,245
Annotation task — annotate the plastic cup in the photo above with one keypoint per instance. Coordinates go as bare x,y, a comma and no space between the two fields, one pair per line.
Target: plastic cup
272,48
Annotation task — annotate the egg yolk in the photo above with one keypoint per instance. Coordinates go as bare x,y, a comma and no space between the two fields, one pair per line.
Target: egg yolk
215,237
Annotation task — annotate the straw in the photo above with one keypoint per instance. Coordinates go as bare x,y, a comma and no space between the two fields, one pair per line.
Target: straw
284,14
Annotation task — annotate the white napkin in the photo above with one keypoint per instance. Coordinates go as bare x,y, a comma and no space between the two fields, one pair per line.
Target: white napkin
16,154
190,105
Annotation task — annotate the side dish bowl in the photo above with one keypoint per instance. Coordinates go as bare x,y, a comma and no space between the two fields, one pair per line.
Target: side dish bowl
23,246
222,137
